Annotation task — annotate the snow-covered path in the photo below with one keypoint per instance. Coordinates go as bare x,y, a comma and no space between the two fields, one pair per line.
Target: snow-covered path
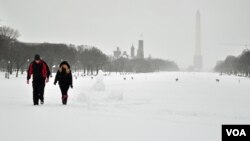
149,107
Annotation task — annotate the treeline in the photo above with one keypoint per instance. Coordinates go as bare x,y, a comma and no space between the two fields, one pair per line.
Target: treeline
141,65
16,56
235,64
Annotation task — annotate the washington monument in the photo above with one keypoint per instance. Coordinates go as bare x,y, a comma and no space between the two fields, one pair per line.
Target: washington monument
197,55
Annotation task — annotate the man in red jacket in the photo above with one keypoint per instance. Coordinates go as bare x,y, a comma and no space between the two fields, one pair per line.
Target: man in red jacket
40,71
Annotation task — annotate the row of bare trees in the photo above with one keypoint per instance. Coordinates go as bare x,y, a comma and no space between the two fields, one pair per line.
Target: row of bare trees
235,64
16,55
8,40
138,65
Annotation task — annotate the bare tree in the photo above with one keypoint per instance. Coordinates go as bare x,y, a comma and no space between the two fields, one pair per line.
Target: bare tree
8,36
8,33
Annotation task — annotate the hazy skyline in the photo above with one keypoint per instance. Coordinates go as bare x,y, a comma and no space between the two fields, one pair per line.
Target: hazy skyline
168,26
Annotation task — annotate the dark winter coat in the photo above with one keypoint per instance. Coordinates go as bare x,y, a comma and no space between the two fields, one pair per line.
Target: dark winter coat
39,71
64,75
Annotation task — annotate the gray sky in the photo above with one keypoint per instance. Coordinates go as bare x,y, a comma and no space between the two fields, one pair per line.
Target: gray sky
168,26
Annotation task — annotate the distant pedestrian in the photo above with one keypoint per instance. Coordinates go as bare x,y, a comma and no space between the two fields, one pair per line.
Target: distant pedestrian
64,76
40,71
218,80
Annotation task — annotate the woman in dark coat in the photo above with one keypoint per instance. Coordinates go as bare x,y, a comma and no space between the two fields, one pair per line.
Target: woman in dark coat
64,76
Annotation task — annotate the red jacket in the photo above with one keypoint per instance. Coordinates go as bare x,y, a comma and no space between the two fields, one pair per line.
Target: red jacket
38,70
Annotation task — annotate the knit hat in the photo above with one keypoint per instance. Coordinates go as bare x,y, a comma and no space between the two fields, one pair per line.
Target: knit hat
37,57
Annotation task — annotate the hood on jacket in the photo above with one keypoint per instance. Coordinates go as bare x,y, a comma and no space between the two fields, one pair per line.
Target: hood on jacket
64,65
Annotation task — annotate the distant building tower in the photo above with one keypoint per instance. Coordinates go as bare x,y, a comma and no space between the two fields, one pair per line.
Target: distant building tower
197,55
140,51
132,51
117,53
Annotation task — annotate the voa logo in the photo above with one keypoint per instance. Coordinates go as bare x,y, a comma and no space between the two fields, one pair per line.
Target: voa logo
236,132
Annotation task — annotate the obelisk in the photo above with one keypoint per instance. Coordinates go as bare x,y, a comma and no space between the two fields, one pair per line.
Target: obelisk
197,55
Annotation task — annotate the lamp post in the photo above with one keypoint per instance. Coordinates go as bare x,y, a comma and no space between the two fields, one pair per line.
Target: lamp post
53,67
8,66
28,60
248,72
11,47
78,65
7,74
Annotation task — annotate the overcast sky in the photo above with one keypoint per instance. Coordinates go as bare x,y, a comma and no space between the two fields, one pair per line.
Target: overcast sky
168,26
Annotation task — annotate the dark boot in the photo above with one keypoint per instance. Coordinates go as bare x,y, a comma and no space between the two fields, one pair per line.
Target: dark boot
41,101
35,100
64,99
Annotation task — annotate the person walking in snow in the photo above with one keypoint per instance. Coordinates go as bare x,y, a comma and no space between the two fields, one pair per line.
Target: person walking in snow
40,71
64,76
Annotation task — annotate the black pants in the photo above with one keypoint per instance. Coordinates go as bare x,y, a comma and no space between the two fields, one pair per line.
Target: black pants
64,89
38,91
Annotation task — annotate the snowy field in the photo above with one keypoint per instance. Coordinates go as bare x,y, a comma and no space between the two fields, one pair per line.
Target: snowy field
149,107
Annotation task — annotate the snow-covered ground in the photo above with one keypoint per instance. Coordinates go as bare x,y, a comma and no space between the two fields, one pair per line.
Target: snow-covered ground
149,107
